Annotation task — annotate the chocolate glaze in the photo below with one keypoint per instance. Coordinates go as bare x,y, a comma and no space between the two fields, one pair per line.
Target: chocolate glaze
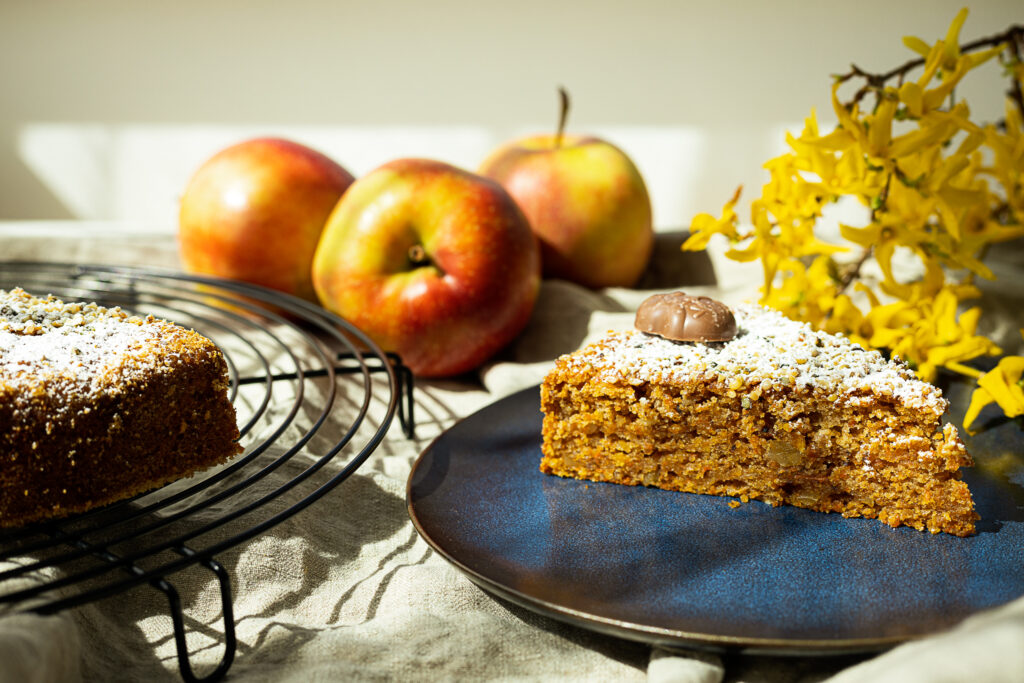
681,317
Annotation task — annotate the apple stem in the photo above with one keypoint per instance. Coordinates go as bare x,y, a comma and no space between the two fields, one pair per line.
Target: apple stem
418,255
563,115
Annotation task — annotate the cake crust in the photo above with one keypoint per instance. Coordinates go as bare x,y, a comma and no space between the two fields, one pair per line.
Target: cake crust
782,414
97,406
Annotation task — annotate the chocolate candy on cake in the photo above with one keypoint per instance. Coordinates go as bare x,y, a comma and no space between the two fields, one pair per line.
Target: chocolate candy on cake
680,317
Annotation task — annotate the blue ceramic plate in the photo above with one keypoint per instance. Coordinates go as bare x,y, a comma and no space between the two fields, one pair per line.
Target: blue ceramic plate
684,569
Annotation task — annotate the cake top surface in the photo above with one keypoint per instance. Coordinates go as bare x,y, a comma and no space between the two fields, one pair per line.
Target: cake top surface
84,348
769,350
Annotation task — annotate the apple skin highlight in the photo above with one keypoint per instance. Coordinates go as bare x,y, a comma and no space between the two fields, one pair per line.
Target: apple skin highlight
254,212
432,262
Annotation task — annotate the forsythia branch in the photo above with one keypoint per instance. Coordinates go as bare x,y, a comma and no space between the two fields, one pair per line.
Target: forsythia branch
1013,37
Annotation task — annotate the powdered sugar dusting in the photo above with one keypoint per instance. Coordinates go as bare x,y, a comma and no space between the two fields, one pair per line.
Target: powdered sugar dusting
769,351
79,347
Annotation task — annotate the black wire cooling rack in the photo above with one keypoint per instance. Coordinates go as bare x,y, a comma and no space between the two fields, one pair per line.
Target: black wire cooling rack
294,369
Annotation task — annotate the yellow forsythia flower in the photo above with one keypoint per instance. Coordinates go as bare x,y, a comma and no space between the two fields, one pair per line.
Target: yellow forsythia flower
1002,385
705,225
929,334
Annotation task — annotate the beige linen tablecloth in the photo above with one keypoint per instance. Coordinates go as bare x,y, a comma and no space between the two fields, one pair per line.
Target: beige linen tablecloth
348,591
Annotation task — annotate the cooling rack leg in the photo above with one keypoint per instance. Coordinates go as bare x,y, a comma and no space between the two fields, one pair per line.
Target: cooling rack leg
406,396
177,618
406,400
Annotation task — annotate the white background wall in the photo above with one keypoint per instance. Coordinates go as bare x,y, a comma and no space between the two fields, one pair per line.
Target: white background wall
698,92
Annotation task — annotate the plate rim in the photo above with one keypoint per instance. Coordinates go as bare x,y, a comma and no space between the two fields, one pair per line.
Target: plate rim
652,635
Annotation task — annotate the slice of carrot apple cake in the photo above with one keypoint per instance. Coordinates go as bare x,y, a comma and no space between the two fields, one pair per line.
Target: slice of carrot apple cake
757,406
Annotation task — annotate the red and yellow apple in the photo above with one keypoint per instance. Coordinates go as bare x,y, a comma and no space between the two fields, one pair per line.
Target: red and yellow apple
432,262
255,210
586,202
